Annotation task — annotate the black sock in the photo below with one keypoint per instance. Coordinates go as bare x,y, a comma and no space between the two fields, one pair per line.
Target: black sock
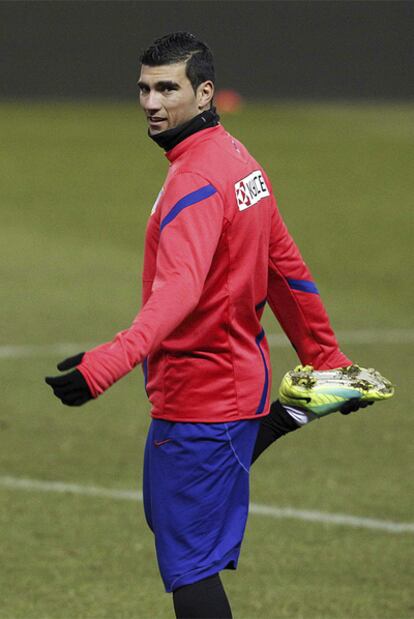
205,599
276,424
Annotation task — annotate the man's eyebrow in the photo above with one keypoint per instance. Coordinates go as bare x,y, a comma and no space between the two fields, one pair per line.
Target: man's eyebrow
161,84
167,84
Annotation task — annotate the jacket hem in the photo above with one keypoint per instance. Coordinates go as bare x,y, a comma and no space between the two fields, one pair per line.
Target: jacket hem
210,419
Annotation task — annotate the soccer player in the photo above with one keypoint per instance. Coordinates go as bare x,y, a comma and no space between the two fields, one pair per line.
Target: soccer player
216,250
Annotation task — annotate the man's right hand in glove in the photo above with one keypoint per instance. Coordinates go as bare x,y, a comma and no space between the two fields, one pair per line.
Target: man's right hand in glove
71,388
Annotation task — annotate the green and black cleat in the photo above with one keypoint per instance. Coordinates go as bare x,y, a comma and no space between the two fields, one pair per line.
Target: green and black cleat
322,392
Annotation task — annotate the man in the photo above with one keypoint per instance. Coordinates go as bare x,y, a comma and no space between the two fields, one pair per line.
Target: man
216,250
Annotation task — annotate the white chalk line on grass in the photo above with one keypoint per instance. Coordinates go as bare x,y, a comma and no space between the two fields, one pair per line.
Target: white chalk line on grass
357,336
23,351
35,485
275,340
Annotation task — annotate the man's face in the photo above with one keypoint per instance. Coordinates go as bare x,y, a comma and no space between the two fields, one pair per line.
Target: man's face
167,96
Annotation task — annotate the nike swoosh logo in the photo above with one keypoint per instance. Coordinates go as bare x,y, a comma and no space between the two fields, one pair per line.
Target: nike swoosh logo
159,443
297,397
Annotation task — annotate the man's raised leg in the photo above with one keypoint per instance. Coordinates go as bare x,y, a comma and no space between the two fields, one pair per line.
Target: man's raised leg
272,427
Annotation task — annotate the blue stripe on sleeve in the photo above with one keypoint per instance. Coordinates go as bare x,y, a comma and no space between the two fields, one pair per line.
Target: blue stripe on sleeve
145,370
263,398
260,305
302,284
192,198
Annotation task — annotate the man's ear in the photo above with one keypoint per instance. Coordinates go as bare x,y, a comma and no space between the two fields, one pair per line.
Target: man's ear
205,93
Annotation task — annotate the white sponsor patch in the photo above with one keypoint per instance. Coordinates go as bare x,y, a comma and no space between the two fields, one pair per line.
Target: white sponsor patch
154,208
250,190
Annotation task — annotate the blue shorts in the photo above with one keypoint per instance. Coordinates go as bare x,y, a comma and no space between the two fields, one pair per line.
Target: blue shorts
196,495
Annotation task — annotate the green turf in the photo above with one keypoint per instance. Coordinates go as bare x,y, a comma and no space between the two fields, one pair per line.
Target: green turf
77,183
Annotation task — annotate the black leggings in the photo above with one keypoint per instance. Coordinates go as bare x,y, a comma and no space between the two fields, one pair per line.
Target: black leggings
205,599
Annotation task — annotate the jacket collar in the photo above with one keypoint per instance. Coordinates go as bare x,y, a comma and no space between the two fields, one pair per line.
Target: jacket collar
196,138
170,138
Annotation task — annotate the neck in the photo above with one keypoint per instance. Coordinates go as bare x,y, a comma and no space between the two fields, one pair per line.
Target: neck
170,138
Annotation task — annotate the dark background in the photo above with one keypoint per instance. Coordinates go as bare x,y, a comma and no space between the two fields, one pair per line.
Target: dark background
284,49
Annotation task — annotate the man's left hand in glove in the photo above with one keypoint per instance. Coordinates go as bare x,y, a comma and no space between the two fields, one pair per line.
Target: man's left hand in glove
71,388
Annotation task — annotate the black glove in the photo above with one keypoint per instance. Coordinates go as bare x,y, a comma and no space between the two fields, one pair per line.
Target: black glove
353,405
71,388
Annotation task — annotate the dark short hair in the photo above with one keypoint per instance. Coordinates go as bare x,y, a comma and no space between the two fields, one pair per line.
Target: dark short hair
182,47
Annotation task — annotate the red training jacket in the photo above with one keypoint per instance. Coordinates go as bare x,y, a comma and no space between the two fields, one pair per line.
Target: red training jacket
216,250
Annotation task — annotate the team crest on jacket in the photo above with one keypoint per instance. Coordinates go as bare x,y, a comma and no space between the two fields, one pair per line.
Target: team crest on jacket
250,190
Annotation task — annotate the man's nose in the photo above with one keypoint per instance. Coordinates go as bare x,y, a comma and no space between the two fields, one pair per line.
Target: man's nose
152,101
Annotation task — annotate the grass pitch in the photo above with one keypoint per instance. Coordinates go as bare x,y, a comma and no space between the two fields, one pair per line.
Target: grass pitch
78,182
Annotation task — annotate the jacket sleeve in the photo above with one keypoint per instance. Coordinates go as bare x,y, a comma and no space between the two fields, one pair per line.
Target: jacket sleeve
191,220
295,301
